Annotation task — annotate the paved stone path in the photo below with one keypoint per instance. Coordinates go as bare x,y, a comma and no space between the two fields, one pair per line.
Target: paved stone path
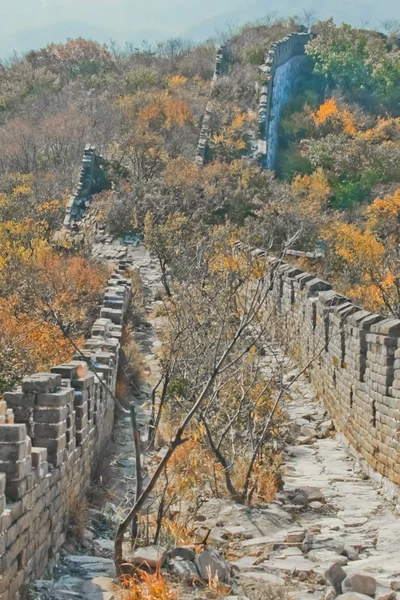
328,511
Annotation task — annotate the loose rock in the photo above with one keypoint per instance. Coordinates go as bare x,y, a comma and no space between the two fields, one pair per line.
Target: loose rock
336,575
362,584
210,563
152,557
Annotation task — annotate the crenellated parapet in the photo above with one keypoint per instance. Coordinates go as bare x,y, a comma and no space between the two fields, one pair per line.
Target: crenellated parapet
91,181
62,421
354,358
221,64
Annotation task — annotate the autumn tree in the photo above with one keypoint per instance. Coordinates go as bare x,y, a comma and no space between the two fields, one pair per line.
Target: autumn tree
365,259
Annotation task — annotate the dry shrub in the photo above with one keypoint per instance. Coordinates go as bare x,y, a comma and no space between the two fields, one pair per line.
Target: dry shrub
176,533
131,369
137,289
147,586
159,294
216,589
193,467
265,479
77,519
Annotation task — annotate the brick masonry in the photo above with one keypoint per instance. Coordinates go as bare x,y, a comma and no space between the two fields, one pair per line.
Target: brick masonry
221,64
56,425
355,358
92,180
283,65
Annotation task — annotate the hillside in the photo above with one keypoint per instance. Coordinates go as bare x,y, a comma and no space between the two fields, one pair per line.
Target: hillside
199,324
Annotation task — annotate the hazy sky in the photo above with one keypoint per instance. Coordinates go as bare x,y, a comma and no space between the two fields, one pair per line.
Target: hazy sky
26,24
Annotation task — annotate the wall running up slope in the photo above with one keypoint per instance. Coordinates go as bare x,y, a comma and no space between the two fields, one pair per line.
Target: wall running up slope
62,421
91,181
220,68
356,362
283,66
55,426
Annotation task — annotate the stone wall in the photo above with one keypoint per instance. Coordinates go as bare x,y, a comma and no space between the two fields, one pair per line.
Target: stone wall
356,362
220,68
283,66
91,181
57,425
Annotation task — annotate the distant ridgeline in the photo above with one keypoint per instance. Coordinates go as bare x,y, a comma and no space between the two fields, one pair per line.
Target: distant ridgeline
92,181
283,67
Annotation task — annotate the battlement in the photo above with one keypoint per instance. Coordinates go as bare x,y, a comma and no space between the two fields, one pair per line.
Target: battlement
62,421
91,181
355,362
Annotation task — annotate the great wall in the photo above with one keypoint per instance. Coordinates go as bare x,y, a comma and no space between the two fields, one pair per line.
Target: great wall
52,428
282,69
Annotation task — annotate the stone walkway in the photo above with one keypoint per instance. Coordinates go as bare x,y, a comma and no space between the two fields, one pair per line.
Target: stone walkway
328,511
90,574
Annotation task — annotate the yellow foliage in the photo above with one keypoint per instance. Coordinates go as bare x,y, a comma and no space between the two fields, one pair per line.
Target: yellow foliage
384,208
181,173
231,139
330,112
313,190
384,130
176,81
354,245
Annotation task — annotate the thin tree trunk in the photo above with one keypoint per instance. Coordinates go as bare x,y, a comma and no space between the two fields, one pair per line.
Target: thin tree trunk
138,467
235,495
164,279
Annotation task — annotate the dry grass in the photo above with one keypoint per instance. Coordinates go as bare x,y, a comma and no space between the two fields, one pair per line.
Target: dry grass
265,480
159,294
137,289
77,519
147,586
131,368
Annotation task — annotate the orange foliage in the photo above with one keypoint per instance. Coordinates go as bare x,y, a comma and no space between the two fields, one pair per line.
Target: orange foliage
164,110
326,111
27,345
147,586
330,112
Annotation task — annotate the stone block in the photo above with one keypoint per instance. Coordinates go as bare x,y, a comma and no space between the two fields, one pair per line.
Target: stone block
71,370
14,451
50,415
12,433
50,430
15,490
57,399
83,383
41,382
17,469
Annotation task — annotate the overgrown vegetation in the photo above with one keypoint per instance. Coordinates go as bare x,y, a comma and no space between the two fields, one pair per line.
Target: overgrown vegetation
219,404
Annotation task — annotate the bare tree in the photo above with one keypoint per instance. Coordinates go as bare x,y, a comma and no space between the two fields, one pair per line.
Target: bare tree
309,17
